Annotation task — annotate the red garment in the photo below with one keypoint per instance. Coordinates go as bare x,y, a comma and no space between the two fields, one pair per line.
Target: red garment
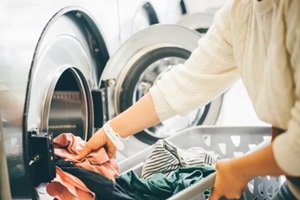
67,146
65,185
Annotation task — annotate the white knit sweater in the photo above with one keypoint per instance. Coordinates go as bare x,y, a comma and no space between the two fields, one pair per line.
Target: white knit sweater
2,87
258,41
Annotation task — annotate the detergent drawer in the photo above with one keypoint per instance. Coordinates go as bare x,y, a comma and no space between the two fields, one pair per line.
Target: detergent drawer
227,142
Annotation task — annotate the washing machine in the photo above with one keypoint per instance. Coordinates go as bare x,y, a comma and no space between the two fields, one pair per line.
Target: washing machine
198,15
200,6
135,16
52,55
63,70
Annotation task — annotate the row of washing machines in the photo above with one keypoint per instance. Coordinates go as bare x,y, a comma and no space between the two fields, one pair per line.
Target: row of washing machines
69,66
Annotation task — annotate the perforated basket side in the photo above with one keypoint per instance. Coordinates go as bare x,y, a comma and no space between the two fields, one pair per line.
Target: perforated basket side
228,142
262,188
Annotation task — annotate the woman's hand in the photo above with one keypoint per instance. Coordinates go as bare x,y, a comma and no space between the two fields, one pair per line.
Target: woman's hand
98,140
233,175
230,181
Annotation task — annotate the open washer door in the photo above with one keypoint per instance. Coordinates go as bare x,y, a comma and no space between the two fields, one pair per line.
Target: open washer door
136,66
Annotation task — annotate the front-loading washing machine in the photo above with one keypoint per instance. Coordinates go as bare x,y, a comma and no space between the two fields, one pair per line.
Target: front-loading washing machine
137,65
201,6
57,76
52,55
198,15
135,16
168,11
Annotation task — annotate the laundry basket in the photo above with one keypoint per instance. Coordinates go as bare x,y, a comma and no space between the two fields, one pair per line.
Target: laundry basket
228,142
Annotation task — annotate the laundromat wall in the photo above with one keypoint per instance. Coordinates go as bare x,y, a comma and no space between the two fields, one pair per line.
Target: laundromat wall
64,67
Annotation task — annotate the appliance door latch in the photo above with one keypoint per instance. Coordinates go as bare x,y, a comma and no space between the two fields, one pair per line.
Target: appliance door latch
42,162
100,100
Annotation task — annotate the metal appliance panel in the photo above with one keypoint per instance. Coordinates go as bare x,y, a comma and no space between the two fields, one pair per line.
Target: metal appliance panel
135,16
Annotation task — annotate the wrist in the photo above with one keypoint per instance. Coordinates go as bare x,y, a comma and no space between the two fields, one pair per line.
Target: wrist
113,136
236,166
241,166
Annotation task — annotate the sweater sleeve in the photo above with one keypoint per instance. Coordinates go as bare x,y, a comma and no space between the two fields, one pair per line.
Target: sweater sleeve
208,72
286,147
2,87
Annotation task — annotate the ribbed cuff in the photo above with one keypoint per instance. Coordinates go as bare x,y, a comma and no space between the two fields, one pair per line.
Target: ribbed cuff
3,87
162,108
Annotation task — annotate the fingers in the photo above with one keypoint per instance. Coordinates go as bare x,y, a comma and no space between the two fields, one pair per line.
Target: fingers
85,151
215,195
111,154
228,183
110,148
98,140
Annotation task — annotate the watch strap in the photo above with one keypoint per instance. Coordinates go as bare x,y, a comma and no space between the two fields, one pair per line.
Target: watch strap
115,138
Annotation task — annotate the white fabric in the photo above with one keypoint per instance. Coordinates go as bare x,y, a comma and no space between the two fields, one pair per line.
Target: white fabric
258,41
2,86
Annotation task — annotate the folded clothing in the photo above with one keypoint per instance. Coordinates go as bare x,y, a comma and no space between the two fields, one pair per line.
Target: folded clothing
165,158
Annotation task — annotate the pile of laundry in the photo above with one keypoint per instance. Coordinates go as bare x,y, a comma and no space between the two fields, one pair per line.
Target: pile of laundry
167,171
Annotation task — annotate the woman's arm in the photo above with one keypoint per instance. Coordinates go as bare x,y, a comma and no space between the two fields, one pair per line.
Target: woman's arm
139,116
136,118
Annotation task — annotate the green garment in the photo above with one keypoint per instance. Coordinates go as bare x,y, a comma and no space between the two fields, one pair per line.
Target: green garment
160,186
